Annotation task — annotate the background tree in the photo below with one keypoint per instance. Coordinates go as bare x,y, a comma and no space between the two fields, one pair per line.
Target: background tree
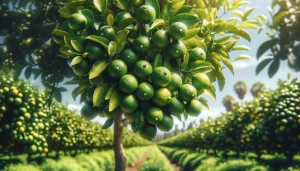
257,88
284,37
240,89
228,101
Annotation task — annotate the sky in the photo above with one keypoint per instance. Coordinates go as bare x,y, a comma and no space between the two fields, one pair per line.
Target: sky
244,70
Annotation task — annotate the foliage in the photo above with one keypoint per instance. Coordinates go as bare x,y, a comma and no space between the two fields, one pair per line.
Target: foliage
156,161
283,43
201,44
240,89
268,124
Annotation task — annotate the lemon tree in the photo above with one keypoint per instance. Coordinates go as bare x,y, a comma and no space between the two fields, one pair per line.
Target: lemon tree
150,55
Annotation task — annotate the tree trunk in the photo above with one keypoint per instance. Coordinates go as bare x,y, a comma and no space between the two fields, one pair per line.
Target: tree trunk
118,146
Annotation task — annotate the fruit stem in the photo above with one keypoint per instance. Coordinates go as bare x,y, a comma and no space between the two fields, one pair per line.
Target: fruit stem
118,146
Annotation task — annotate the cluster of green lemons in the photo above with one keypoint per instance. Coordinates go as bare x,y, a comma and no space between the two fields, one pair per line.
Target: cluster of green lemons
155,91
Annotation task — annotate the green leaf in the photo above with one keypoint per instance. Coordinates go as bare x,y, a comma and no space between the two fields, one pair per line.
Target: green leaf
265,46
242,33
191,33
101,5
185,115
204,103
67,40
156,23
210,91
112,48
273,68
222,39
188,19
99,94
155,5
247,25
262,18
198,64
60,33
66,11
76,45
115,100
125,4
120,40
262,65
77,3
227,63
240,57
190,43
186,59
28,72
65,50
76,60
221,80
167,64
225,27
108,123
110,19
139,120
171,8
158,61
201,44
200,4
98,67
75,93
229,45
98,39
174,66
125,23
277,19
247,12
110,92
89,16
202,14
241,47
186,9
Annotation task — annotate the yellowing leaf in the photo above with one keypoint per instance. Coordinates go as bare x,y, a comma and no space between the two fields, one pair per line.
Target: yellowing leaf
98,67
100,93
115,100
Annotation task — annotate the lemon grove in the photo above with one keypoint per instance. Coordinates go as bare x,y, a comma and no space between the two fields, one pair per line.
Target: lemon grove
149,60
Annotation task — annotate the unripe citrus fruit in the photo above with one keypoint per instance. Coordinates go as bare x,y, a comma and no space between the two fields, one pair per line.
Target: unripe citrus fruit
88,112
161,76
130,116
166,124
154,115
77,22
145,91
148,131
107,32
82,68
196,54
129,57
176,106
146,14
175,83
142,44
193,108
128,83
89,95
177,49
187,92
121,16
162,97
160,39
95,52
129,103
178,31
117,68
200,81
109,114
142,69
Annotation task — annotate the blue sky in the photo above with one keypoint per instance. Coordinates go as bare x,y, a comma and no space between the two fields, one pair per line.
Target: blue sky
244,70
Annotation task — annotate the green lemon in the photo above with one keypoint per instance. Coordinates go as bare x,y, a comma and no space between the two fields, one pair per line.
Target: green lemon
129,57
178,31
129,103
200,81
82,68
166,124
95,52
142,69
176,106
161,76
77,22
107,32
121,16
142,44
187,92
154,115
146,14
128,83
193,108
117,68
88,112
162,97
177,50
175,83
148,131
196,54
145,91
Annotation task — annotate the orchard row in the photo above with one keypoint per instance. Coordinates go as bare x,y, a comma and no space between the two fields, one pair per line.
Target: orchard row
268,124
29,125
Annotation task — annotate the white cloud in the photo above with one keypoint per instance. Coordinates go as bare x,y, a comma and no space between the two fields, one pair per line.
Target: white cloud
76,107
245,63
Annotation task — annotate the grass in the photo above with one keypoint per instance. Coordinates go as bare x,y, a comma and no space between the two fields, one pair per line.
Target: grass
83,162
191,160
156,161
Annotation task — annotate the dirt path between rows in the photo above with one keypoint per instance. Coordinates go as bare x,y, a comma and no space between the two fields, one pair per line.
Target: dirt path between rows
138,163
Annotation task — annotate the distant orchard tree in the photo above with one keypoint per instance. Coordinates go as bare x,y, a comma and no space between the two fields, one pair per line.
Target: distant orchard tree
257,88
228,102
240,89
